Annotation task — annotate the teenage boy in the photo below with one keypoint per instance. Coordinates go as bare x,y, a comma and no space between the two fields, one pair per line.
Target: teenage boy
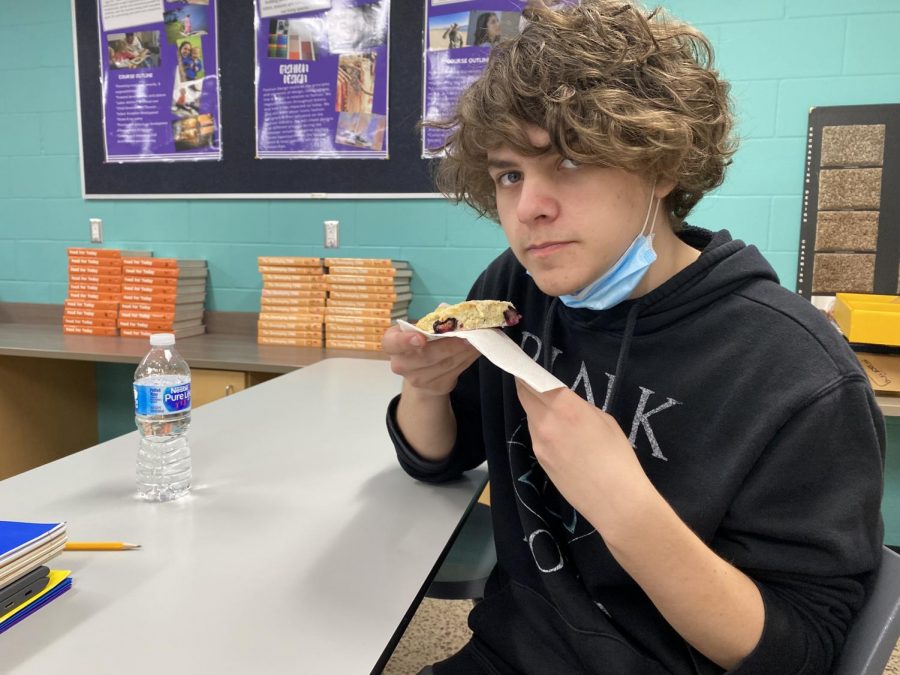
705,496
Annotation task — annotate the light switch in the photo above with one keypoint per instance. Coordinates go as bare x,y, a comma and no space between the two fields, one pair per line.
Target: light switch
96,231
331,233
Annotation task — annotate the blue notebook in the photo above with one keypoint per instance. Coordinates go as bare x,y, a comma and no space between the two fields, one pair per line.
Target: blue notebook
16,538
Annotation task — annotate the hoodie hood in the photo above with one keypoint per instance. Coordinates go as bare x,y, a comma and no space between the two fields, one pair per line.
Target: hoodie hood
724,265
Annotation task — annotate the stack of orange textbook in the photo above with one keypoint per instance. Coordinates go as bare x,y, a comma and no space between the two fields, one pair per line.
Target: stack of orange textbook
292,305
365,297
95,291
162,295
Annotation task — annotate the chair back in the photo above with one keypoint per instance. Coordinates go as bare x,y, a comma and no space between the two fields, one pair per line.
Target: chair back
874,634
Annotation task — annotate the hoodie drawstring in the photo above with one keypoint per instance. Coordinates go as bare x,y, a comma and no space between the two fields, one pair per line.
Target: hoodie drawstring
621,360
630,323
545,336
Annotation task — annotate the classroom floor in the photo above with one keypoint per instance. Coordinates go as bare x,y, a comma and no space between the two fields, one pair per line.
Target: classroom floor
439,629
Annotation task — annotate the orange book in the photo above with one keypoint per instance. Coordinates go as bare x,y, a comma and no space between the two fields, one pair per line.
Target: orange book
147,316
355,296
102,263
296,315
280,273
77,312
81,321
370,271
187,307
293,302
89,330
353,344
94,271
133,279
100,275
185,331
362,280
375,321
149,262
288,261
290,324
306,286
290,332
365,262
162,290
90,295
171,263
293,293
135,271
367,304
347,332
96,288
146,325
79,252
91,304
293,342
152,297
293,309
364,292
365,311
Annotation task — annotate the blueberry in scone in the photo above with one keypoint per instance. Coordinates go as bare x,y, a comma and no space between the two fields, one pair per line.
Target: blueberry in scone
470,315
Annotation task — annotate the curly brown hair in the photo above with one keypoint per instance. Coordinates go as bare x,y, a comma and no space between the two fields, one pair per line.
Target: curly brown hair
612,86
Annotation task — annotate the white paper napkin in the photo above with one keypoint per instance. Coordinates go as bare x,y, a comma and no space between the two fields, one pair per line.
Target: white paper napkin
497,348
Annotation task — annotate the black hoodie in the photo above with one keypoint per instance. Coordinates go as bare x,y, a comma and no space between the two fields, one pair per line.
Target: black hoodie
750,415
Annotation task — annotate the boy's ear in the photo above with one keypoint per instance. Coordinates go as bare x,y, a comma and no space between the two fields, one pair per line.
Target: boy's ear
663,188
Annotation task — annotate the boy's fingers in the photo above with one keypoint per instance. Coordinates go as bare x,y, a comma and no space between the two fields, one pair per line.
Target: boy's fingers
529,396
396,341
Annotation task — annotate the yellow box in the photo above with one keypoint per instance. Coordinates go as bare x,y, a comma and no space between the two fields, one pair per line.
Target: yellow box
869,319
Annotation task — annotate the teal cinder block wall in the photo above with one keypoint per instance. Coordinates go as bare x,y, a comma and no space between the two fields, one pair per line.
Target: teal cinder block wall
781,56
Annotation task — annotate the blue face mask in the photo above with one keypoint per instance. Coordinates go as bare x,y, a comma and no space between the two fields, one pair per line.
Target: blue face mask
619,281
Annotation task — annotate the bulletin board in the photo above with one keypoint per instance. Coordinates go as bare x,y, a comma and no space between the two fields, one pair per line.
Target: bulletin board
850,223
239,174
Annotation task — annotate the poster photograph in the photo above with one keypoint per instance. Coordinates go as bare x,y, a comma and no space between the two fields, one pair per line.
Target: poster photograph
160,81
322,79
459,37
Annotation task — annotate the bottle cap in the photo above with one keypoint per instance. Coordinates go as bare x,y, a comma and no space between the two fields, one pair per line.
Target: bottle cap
162,339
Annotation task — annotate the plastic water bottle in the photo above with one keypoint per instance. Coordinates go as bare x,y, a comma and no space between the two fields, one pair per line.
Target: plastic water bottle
162,413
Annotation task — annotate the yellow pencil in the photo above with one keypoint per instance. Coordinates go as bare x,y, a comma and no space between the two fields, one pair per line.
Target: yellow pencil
100,546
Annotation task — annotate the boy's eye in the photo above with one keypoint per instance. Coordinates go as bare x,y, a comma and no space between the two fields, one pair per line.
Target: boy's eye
508,178
569,163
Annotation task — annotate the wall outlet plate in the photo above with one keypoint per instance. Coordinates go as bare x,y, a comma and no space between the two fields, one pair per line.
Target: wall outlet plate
96,230
331,233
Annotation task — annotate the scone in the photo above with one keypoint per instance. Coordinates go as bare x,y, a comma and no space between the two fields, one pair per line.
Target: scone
470,315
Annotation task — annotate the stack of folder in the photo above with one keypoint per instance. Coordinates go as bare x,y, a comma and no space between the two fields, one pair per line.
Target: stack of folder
365,297
292,305
162,295
26,584
95,291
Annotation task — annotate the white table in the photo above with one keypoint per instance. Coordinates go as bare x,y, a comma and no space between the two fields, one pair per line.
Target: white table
301,549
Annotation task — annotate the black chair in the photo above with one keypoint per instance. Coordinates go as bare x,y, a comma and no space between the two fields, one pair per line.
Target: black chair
471,558
875,632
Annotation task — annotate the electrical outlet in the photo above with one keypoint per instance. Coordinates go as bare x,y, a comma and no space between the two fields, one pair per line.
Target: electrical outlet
331,233
96,231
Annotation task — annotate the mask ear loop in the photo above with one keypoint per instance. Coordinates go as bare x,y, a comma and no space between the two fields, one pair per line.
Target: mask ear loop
655,212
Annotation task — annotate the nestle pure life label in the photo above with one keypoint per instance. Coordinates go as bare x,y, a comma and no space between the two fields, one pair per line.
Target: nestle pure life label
162,399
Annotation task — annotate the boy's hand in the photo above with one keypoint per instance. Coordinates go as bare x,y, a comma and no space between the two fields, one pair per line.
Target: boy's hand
430,367
586,455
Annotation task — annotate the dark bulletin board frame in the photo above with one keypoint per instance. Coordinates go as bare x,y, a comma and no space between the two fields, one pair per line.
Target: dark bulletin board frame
239,175
887,257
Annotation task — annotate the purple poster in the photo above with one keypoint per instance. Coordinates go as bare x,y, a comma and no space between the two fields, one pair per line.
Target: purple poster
322,79
458,40
159,64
